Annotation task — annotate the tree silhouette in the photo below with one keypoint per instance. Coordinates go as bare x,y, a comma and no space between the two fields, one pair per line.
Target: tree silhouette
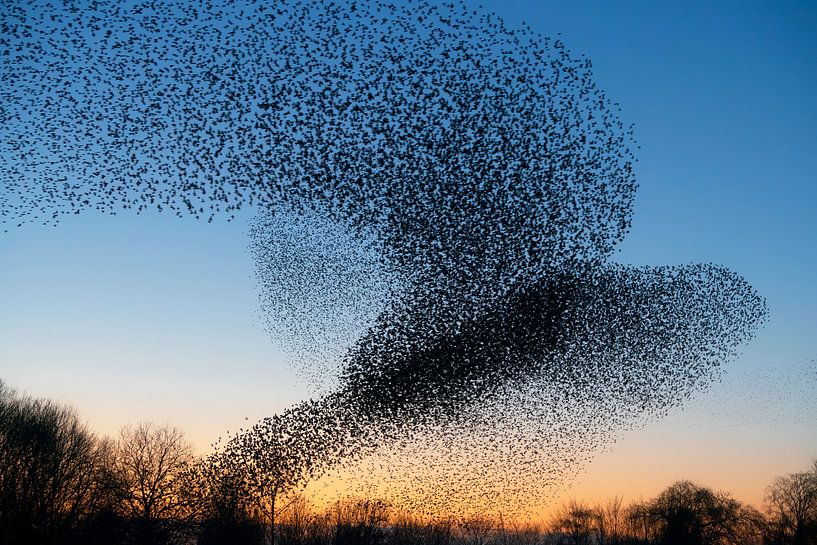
229,513
791,507
574,523
360,522
685,513
270,460
54,474
609,521
60,484
154,464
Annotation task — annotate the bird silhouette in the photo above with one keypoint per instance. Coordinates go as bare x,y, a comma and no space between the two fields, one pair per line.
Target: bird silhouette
439,200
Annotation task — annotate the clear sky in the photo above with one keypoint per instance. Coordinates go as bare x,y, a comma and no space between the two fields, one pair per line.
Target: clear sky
153,317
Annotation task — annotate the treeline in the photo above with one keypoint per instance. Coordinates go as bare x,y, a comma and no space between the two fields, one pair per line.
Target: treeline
61,484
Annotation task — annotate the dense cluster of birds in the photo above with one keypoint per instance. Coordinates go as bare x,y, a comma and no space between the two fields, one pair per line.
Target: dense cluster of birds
440,198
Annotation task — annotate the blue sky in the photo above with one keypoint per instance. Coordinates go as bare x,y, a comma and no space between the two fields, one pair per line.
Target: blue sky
722,98
156,318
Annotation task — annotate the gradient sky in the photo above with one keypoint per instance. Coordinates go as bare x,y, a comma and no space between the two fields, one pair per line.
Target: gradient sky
153,317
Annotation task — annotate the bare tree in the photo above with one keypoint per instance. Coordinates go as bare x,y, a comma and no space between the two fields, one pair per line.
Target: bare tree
574,523
300,524
791,507
54,475
360,522
515,533
751,527
414,530
154,464
476,530
608,521
687,513
274,458
230,513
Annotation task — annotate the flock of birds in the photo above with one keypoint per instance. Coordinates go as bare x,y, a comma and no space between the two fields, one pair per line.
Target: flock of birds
440,197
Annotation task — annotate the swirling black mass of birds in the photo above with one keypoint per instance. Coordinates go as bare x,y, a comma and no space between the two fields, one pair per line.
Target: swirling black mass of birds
477,170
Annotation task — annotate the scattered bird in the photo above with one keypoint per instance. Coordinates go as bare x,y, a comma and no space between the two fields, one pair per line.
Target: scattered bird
467,184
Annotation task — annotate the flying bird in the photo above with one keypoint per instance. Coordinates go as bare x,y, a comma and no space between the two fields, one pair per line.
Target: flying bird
465,184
